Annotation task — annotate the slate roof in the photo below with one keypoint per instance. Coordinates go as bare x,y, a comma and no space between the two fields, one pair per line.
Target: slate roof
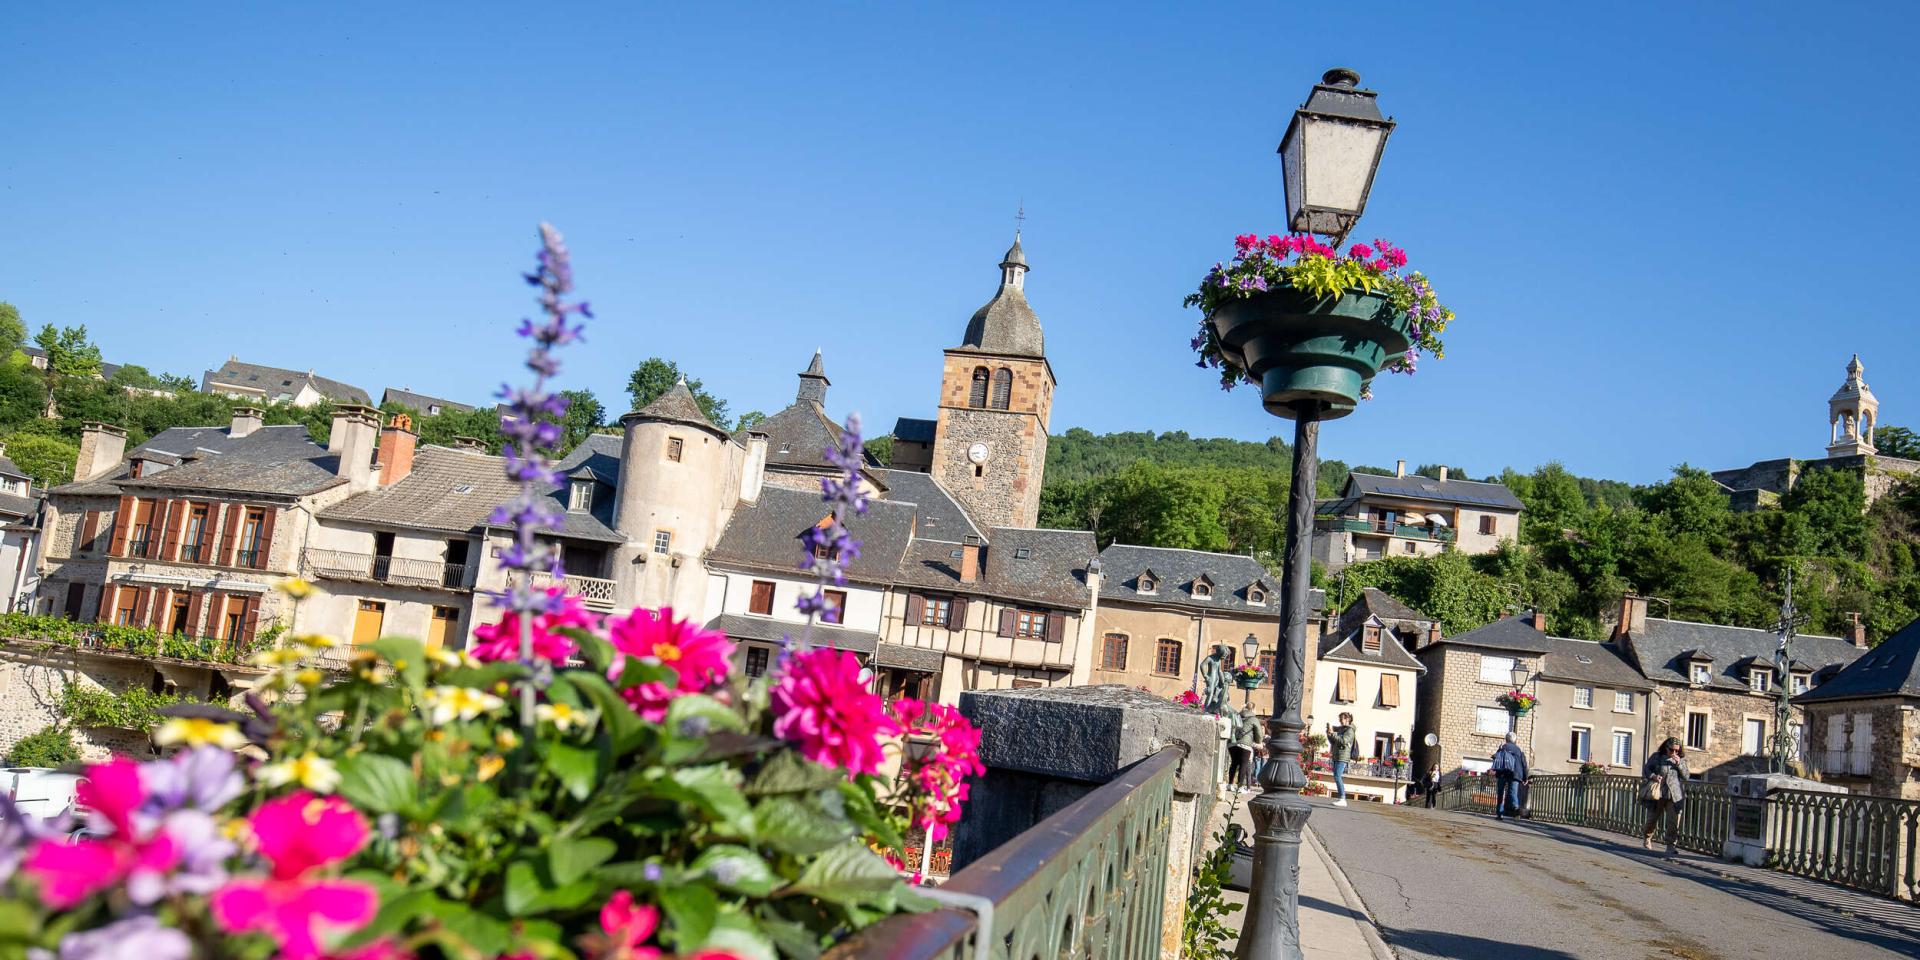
1375,602
765,535
274,381
1660,650
915,430
448,491
1891,669
1052,572
1465,493
1347,645
1507,633
677,405
421,402
19,507
940,516
1006,325
1584,661
600,455
1231,575
10,469
273,461
798,437
742,627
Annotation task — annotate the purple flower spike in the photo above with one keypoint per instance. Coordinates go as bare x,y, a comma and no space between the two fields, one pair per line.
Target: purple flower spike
829,547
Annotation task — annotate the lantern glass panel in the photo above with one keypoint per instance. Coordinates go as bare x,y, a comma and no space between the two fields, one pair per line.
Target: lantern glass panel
1342,156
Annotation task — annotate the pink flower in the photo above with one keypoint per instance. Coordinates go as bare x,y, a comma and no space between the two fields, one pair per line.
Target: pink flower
1187,698
1360,251
299,834
821,702
699,657
628,926
939,779
501,641
69,873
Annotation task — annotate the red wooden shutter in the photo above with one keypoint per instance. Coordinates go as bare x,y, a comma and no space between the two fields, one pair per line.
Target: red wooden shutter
231,515
1006,622
122,526
216,611
193,614
176,515
265,545
140,595
108,594
1056,627
916,608
957,616
89,529
252,622
157,611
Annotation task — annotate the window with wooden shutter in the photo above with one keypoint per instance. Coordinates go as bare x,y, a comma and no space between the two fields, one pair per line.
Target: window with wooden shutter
1486,525
1056,627
139,606
143,541
194,602
836,608
104,612
263,544
760,599
934,611
1389,689
229,520
176,521
1344,691
1113,652
1006,622
916,608
122,527
957,620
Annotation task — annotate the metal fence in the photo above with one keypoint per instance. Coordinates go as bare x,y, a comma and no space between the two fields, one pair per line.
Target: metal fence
1089,881
1868,843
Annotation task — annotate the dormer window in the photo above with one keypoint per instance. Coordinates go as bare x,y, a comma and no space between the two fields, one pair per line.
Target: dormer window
135,468
580,497
1370,639
1147,583
1023,553
1801,683
1256,596
1760,679
1202,589
1701,673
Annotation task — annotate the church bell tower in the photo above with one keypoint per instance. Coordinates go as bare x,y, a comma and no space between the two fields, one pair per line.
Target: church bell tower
996,397
1852,414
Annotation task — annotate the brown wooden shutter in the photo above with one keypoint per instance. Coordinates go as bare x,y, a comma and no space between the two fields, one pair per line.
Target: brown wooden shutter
89,529
194,602
176,517
1056,626
140,596
760,600
1006,622
916,608
957,614
108,594
1348,681
231,516
265,547
157,610
1389,689
252,621
216,611
122,526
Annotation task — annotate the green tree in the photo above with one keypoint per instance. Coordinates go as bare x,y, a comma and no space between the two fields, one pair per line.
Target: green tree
1691,502
23,395
655,376
69,352
13,333
1554,504
47,459
585,416
1890,441
140,378
879,449
754,418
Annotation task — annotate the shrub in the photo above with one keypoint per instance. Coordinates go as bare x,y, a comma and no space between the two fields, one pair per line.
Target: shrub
50,746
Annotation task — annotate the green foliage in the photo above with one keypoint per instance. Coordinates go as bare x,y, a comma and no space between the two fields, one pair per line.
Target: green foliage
1204,931
47,459
13,332
1897,442
140,378
135,708
49,746
139,641
879,449
655,376
69,352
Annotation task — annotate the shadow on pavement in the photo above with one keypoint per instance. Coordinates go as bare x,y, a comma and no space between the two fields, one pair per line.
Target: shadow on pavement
1454,945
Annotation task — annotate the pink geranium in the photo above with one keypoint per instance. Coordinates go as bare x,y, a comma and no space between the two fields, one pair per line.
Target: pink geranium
299,834
501,641
940,778
821,702
700,658
627,926
127,856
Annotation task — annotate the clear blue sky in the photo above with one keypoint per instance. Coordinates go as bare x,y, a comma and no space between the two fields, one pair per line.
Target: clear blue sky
1664,232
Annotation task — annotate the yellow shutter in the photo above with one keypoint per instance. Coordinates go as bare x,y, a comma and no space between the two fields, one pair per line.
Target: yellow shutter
1348,681
1389,689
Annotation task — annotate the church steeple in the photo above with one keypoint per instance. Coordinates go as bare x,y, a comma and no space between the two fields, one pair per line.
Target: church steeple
1006,325
1013,266
814,382
1852,413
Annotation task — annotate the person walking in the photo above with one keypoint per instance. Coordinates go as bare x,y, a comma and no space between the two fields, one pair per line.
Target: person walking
1246,744
1340,739
1509,772
1662,790
1430,785
1239,753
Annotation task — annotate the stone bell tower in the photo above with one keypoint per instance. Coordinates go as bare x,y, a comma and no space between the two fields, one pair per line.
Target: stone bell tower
1852,414
996,396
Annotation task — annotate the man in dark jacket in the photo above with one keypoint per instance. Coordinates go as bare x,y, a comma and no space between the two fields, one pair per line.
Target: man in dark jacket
1509,771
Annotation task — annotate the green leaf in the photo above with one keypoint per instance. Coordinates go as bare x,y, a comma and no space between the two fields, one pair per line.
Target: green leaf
788,772
377,783
847,874
616,794
794,940
407,656
740,935
737,869
794,825
717,715
530,891
637,671
569,859
577,767
616,717
715,790
596,651
690,909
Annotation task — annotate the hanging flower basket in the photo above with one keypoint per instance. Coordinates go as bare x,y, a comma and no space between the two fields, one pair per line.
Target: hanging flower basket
1249,678
1518,703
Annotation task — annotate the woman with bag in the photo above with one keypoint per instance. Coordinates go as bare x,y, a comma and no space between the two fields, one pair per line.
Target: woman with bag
1662,790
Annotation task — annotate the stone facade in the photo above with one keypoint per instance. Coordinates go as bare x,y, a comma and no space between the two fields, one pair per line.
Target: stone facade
1452,697
1868,746
1003,489
33,678
1726,712
1139,628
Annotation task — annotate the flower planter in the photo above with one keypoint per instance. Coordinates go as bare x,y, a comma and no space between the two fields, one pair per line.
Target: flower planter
1299,347
1248,683
1519,711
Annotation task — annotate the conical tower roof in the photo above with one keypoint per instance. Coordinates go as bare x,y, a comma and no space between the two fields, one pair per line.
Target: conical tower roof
1007,325
677,405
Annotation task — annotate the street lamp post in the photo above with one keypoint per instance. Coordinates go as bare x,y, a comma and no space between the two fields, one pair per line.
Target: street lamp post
1328,157
1250,656
1399,747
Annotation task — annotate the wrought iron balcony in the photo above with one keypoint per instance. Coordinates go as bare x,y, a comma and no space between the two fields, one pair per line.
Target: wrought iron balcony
595,592
375,568
1384,528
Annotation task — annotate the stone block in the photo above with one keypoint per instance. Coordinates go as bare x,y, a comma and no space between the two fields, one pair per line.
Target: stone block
1749,815
1089,734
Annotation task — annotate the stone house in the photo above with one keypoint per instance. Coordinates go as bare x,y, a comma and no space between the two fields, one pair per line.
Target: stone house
1714,684
420,403
1363,666
1163,610
1594,708
253,381
1459,693
1863,723
1412,516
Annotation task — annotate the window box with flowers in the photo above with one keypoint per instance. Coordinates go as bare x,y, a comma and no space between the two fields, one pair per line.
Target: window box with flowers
1248,677
1518,702
1306,324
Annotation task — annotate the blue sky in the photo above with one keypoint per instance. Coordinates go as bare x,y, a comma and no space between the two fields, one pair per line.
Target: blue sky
1664,230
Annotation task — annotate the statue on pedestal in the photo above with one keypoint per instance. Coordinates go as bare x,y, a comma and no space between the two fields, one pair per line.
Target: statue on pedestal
1213,680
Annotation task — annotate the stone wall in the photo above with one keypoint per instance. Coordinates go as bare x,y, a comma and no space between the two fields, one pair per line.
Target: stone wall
1450,693
1006,490
1145,625
1894,746
33,678
1726,711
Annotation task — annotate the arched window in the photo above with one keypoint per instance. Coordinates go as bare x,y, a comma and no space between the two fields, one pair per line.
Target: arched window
1002,388
979,396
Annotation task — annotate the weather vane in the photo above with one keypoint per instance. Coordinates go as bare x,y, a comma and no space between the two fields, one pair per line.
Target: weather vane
1020,217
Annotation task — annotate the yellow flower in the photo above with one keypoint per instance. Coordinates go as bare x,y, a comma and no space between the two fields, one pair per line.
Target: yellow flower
490,765
309,770
506,739
297,588
281,657
452,658
308,677
562,716
198,732
445,703
315,641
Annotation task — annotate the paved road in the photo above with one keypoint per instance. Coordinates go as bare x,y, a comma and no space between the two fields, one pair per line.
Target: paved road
1465,886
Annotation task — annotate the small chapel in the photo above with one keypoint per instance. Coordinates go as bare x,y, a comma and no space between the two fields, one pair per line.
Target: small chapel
1852,414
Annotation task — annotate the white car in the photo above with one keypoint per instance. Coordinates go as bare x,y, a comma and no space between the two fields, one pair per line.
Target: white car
40,792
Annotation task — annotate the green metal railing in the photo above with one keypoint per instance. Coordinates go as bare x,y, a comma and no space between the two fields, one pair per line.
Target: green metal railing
1613,803
1089,881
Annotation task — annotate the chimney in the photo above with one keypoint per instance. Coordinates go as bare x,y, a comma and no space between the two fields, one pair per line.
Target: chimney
1633,615
397,444
245,421
970,560
469,444
1538,621
355,430
102,447
1399,468
753,470
1857,631
1433,633
1443,474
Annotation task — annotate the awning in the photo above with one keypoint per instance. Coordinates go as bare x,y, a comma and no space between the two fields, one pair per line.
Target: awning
918,659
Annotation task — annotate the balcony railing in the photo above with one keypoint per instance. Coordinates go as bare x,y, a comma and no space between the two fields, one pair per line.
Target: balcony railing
1089,881
375,568
592,591
1388,529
